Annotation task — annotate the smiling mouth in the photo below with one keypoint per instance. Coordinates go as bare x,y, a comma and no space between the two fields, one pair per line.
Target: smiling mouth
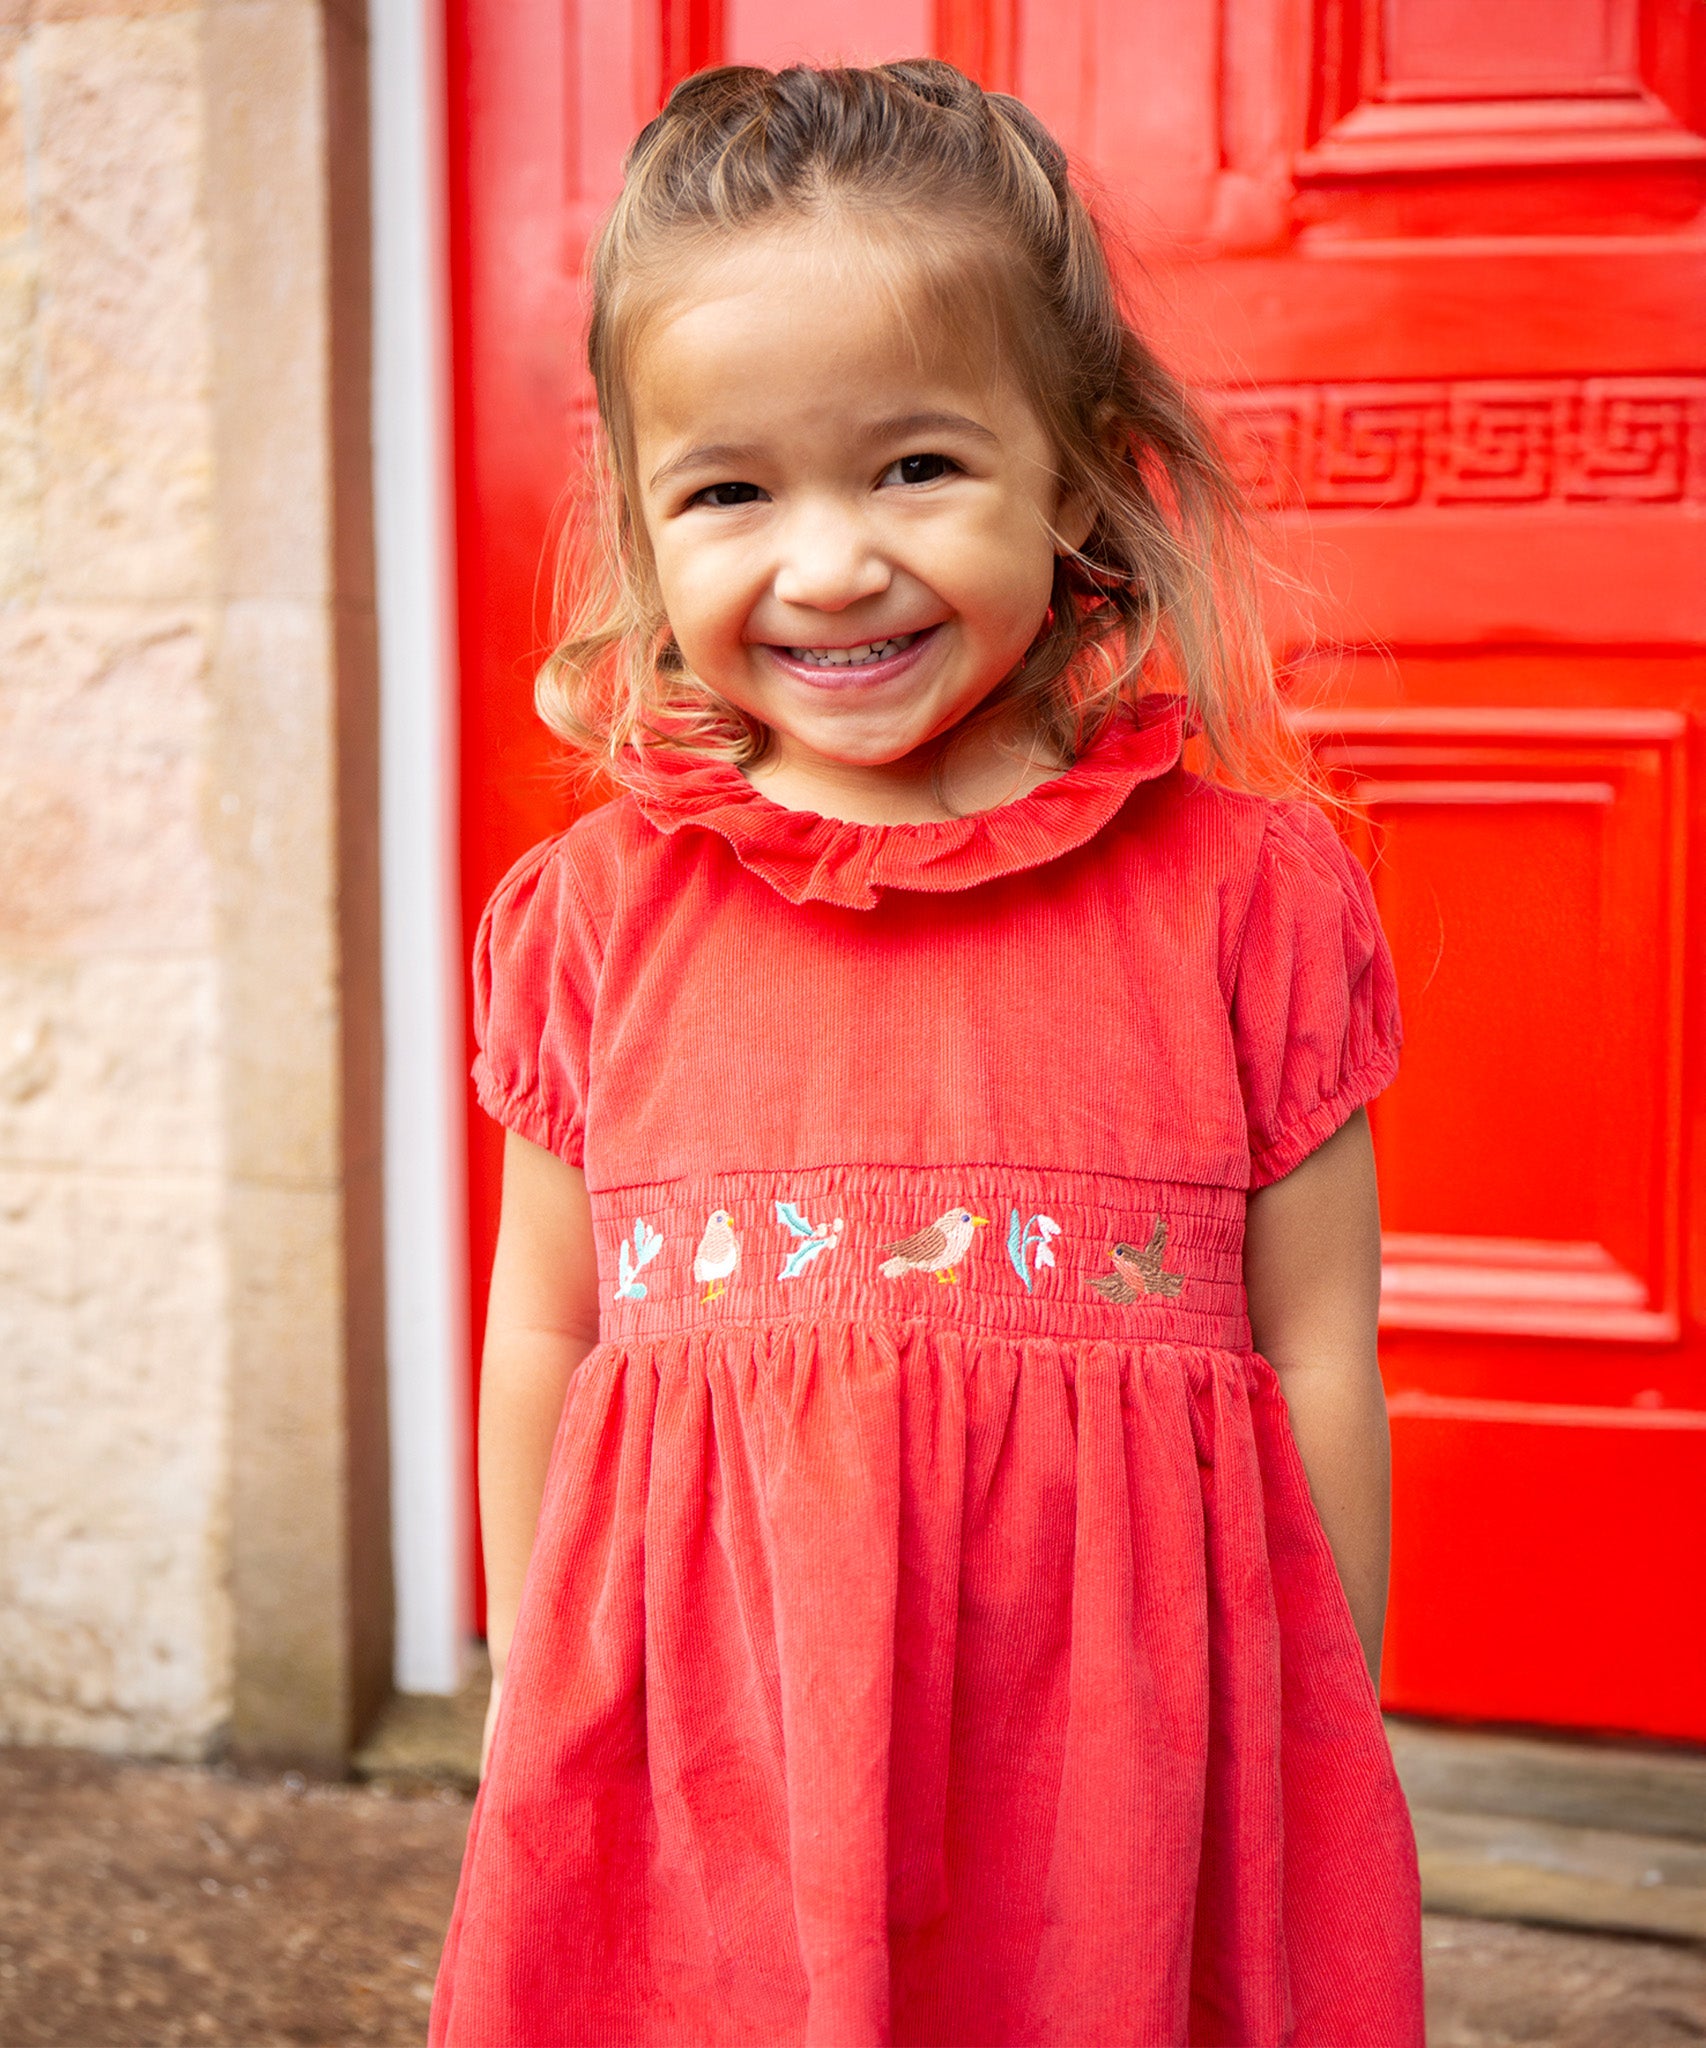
864,656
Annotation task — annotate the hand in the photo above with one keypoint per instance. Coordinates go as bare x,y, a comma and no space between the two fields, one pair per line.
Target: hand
491,1723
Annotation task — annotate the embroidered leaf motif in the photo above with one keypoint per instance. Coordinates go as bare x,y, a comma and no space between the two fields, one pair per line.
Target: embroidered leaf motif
647,1244
802,1255
1030,1245
1016,1248
814,1240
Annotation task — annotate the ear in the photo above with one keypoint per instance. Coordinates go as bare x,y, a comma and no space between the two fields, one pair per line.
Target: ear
1076,513
1073,519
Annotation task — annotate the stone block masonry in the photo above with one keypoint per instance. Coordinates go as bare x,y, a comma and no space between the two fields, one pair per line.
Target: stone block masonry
192,1477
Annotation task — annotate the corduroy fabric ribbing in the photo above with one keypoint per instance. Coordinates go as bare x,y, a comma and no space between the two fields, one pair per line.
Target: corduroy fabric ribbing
933,1656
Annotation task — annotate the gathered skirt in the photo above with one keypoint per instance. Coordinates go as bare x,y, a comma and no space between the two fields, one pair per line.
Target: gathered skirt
901,1684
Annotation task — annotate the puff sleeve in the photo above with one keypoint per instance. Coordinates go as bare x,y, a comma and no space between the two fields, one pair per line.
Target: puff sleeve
536,959
1315,1000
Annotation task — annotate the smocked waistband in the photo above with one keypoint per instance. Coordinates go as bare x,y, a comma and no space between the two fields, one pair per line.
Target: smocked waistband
992,1248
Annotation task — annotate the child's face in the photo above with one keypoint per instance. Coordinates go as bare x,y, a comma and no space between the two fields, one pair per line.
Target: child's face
854,536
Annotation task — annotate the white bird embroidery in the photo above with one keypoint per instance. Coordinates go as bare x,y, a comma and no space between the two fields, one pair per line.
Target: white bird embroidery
938,1248
717,1256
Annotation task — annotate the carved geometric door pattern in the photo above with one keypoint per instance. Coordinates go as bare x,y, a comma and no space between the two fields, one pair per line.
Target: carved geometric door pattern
1461,283
1438,267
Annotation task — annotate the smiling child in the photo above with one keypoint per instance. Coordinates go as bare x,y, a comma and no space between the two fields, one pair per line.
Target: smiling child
933,1461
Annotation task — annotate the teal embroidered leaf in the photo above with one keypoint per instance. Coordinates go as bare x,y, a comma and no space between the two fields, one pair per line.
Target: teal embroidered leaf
631,1289
802,1255
1016,1249
814,1239
647,1244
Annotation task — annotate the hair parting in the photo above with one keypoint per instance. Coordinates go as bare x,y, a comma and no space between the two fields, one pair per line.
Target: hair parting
1165,593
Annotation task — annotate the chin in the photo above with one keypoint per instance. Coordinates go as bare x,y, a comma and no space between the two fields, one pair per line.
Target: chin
877,737
879,750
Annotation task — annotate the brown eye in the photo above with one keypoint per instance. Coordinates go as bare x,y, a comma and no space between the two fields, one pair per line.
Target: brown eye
727,495
921,469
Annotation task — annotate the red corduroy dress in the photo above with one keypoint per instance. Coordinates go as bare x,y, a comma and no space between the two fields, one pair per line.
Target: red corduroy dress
929,1636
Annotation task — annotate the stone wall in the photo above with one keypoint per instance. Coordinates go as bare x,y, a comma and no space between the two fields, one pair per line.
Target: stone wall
192,1514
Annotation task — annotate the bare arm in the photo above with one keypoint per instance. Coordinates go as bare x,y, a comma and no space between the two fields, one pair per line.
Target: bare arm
542,1321
1312,1271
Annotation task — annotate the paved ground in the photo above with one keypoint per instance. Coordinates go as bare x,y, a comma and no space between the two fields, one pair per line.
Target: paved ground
148,1907
1491,1985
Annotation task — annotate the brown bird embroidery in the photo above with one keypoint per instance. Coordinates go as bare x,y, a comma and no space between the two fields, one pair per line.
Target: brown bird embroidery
938,1248
1138,1272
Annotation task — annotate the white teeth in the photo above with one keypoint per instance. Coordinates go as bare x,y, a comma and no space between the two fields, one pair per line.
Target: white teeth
852,657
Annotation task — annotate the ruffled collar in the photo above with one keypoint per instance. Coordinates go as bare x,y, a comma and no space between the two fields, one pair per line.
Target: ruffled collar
813,859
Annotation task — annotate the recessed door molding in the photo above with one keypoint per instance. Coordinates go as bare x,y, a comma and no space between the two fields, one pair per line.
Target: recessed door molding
1427,786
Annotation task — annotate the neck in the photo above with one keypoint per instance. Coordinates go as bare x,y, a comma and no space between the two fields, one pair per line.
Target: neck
978,770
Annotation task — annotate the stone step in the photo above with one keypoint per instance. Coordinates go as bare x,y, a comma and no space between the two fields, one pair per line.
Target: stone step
1637,1788
428,1739
1494,1867
1558,1832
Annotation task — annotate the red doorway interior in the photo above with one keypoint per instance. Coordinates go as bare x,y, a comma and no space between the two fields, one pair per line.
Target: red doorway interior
1439,268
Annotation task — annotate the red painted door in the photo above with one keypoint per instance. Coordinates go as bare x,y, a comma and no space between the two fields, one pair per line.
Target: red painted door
1439,267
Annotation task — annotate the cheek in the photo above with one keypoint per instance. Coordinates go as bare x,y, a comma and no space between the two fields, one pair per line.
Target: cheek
1010,574
702,593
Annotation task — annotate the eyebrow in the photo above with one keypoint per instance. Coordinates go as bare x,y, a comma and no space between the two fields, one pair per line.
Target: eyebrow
737,454
931,422
713,455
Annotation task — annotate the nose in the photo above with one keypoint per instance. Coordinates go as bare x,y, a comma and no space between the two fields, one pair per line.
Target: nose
828,560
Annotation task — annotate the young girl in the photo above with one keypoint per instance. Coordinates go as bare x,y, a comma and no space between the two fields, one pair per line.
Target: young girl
940,1625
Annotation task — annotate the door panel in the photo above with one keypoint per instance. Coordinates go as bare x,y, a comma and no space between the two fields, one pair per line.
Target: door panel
1436,49
1437,268
1544,1566
1531,1139
1535,116
778,32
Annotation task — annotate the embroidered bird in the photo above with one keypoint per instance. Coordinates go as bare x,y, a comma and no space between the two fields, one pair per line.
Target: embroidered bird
718,1255
1139,1272
938,1248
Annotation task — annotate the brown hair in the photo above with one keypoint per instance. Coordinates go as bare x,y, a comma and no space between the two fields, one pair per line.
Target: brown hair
1163,593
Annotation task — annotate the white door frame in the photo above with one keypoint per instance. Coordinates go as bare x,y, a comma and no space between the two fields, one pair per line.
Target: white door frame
426,1277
